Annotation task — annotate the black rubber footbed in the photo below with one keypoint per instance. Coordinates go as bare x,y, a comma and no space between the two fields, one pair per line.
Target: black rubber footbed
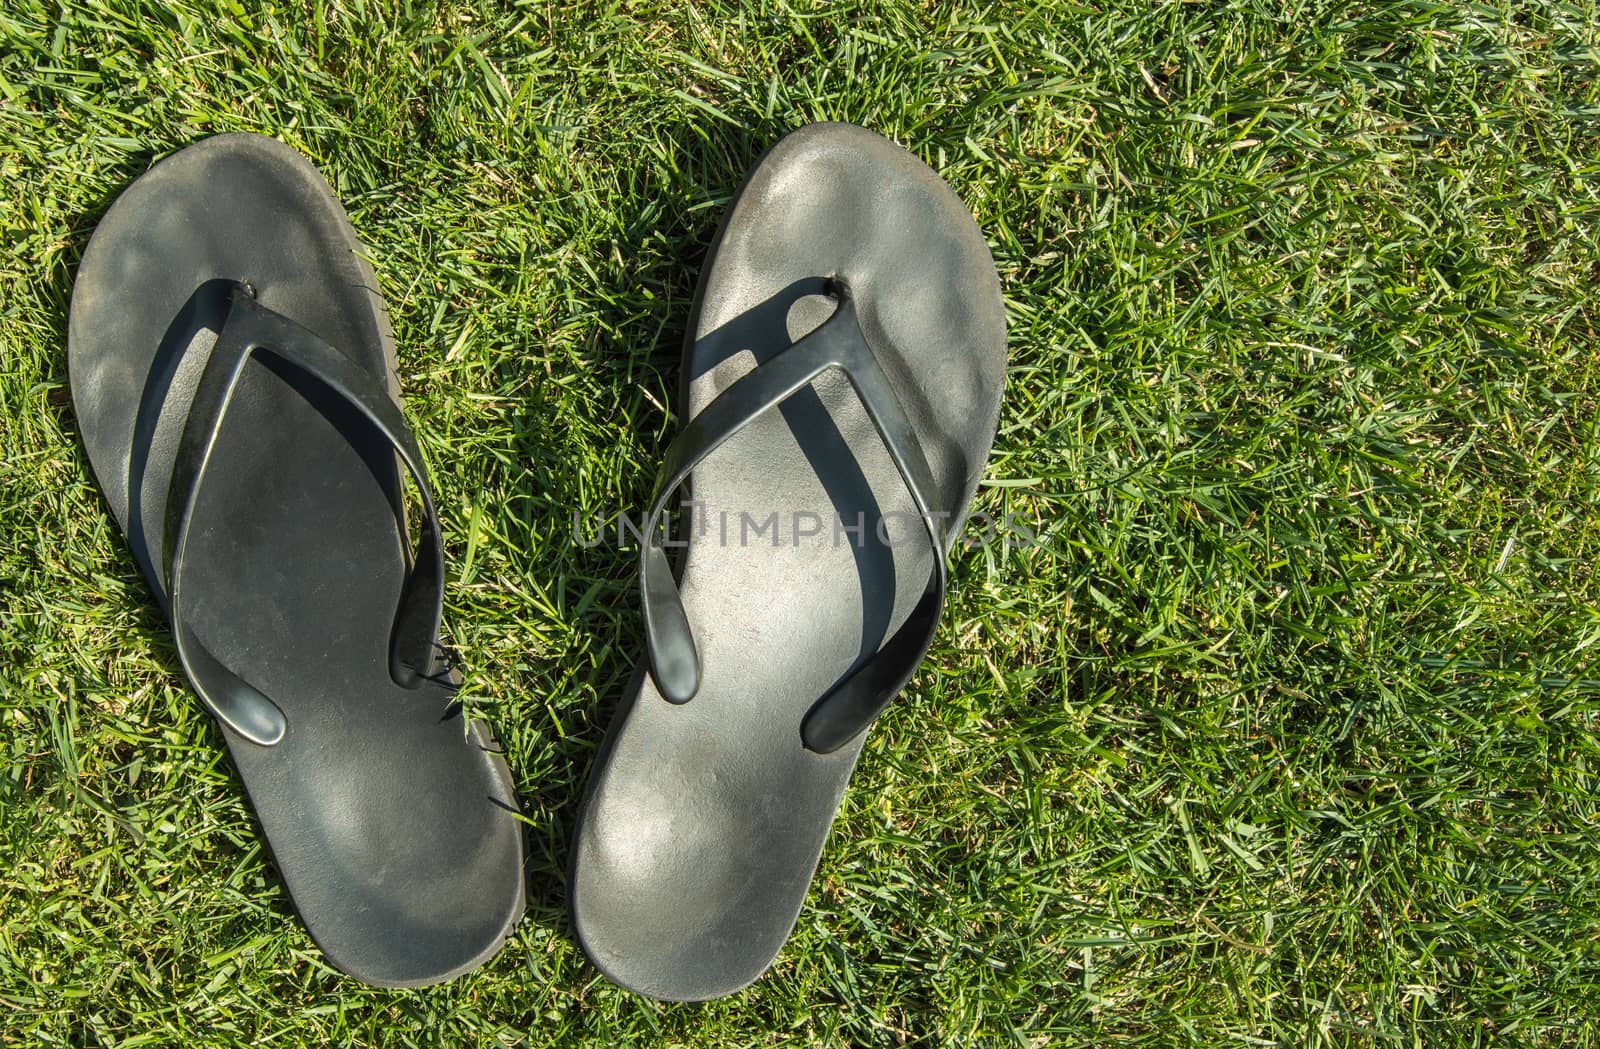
703,823
390,821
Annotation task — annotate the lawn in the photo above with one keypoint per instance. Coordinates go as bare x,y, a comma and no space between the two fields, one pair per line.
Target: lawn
1288,731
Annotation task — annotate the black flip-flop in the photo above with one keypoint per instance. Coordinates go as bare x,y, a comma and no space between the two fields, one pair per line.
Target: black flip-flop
844,373
233,379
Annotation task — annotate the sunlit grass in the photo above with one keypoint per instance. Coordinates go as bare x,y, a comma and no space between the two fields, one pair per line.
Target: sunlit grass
1287,735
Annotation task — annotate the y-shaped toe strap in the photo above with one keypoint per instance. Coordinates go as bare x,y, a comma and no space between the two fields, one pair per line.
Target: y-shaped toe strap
251,328
851,705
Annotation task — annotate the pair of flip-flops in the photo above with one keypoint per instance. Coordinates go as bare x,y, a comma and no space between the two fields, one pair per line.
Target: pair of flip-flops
233,373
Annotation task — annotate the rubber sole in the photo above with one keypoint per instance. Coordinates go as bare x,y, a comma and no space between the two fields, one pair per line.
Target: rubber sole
702,823
392,824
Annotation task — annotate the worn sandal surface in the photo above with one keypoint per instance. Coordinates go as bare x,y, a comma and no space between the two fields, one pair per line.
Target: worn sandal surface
844,372
232,374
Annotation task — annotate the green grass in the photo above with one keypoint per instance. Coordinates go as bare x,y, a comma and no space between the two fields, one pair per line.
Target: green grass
1287,735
